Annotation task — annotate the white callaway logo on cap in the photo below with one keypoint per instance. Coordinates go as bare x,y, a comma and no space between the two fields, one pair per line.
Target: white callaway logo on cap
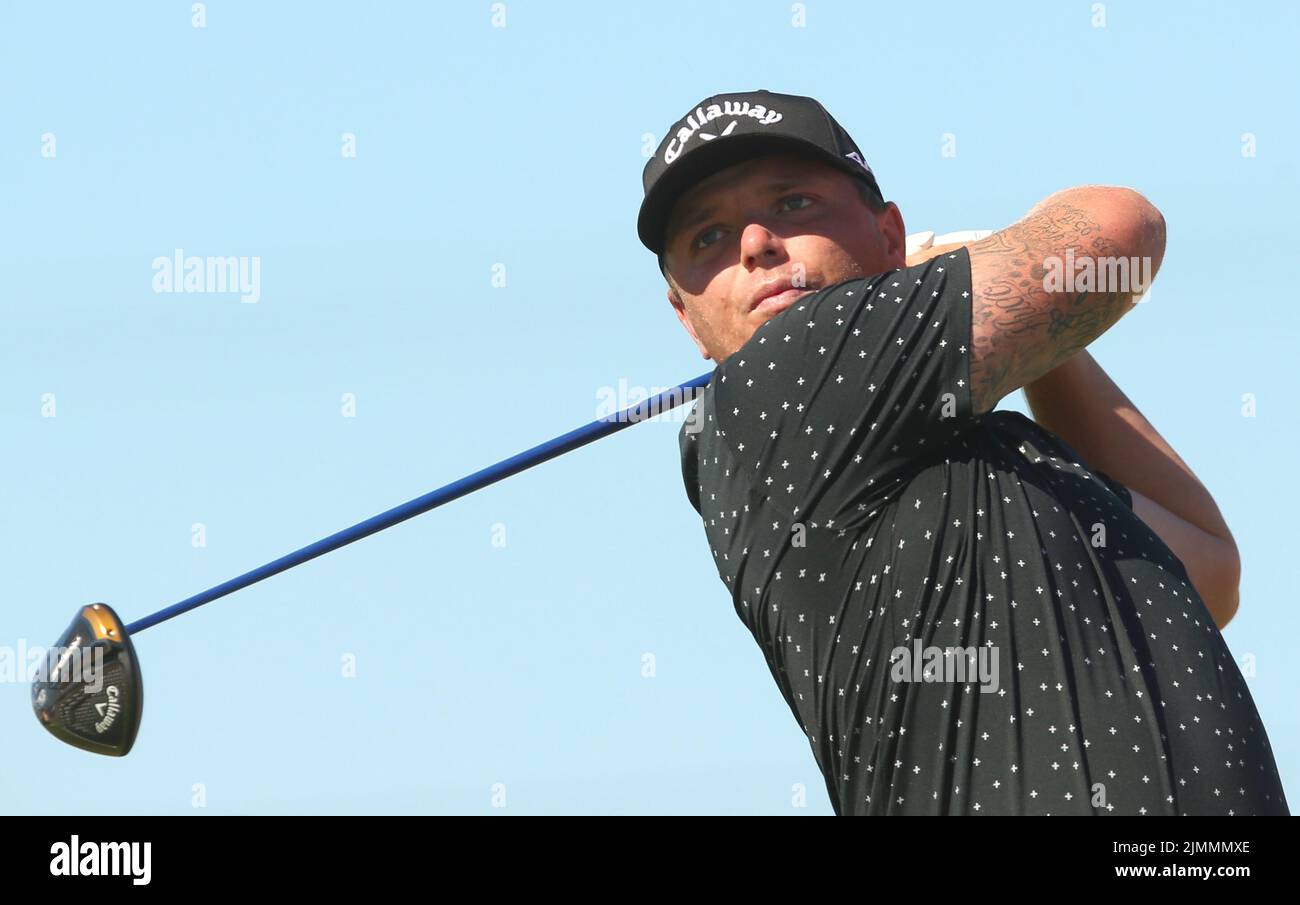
696,121
857,158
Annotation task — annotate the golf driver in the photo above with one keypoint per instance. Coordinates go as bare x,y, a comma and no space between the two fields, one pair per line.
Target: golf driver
89,692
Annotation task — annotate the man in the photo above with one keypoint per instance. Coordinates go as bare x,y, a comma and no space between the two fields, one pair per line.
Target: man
967,611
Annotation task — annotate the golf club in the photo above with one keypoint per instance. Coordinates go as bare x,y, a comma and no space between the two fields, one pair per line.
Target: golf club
89,692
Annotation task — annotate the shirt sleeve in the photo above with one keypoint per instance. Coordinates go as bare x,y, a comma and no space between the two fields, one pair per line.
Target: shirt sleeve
688,444
836,401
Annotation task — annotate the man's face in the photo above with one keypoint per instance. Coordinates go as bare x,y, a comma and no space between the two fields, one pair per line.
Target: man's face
766,224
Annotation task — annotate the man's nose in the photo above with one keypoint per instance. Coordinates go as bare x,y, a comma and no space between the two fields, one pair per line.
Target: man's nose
759,245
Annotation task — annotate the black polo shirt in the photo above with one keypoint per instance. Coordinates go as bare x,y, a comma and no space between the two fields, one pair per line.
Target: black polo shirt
962,615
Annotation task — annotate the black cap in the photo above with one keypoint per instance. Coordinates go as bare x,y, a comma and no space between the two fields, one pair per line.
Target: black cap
725,129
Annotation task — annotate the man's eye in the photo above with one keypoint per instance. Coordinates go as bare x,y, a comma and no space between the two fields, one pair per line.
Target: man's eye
712,229
699,243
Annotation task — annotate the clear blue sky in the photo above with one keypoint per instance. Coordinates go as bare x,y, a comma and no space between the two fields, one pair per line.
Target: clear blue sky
522,147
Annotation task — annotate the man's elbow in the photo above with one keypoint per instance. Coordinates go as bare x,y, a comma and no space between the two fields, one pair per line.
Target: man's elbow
1227,599
1223,609
1139,226
1152,232
1123,222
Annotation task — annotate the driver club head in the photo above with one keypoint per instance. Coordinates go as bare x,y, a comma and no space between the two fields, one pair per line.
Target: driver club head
88,691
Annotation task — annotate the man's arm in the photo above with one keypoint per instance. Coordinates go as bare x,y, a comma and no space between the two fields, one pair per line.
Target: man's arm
1212,562
1079,402
1023,325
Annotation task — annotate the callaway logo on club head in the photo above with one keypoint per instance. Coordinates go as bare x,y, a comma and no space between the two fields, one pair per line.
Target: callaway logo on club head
108,710
700,117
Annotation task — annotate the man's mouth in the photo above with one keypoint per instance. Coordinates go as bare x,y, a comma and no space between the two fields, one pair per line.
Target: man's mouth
780,299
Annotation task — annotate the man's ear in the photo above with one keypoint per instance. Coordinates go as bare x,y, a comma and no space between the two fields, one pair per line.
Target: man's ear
680,310
891,226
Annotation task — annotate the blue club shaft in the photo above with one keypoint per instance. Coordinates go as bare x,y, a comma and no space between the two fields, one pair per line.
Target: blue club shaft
581,436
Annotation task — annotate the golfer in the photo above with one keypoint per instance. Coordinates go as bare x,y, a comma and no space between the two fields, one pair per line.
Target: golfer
967,611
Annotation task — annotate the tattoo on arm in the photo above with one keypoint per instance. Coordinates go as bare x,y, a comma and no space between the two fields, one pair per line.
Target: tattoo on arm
1020,330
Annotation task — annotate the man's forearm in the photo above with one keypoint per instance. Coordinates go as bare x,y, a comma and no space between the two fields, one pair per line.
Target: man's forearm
1079,402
